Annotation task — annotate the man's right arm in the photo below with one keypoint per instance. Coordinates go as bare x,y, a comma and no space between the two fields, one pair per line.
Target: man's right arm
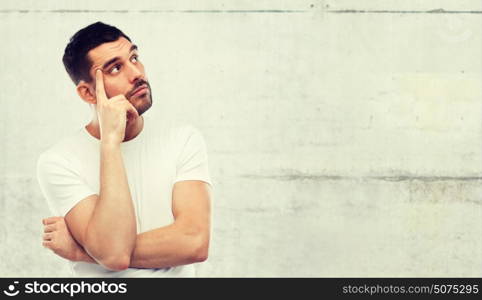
105,225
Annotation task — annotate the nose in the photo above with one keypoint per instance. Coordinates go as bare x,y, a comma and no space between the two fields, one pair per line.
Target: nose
134,73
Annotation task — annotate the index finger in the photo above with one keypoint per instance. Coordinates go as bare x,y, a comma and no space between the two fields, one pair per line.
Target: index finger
99,86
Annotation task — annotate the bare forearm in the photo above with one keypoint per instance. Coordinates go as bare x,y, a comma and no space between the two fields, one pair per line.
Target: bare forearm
111,231
161,248
167,247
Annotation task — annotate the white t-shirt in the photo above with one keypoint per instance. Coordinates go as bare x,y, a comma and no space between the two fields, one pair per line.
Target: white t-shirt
156,159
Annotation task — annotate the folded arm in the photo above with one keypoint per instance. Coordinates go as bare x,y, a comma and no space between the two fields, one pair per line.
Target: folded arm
184,241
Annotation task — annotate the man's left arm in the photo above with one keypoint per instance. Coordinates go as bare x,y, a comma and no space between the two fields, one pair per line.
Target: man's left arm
185,241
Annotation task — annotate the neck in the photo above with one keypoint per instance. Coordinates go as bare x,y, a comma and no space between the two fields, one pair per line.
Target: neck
132,128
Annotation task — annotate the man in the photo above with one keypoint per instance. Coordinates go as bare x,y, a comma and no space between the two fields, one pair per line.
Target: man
132,200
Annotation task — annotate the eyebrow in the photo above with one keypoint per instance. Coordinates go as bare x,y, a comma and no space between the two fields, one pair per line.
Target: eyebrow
113,60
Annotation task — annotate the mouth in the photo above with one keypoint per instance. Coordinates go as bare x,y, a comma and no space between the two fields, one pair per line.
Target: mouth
140,90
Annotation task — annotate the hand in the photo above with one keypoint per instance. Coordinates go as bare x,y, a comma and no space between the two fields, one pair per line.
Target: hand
112,113
57,238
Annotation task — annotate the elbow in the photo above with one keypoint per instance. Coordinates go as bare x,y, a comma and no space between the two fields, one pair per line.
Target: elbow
116,263
200,251
111,257
200,256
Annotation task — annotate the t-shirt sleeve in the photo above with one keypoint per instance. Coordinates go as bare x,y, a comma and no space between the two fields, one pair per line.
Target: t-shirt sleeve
192,163
61,183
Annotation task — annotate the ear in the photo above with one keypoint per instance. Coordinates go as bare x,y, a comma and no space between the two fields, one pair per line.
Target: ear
86,92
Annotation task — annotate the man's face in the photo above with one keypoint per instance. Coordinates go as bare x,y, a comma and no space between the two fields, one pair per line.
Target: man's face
123,72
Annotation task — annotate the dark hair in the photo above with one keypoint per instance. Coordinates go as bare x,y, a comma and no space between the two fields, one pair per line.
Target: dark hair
75,59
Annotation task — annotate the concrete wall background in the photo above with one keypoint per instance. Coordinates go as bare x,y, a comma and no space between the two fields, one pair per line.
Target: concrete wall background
344,136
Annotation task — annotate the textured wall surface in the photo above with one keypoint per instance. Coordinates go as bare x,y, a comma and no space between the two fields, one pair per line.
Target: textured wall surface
344,137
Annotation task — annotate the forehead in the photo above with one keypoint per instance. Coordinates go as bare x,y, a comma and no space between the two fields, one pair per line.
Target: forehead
104,52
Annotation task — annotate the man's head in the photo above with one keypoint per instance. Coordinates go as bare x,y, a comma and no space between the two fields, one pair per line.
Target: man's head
104,47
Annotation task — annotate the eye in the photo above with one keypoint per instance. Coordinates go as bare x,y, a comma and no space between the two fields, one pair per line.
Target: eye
135,58
115,69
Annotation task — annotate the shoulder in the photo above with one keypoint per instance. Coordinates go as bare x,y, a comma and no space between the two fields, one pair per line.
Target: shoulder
187,130
187,134
186,140
62,151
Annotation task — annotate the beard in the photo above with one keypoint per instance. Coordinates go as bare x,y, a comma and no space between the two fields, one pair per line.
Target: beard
143,101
